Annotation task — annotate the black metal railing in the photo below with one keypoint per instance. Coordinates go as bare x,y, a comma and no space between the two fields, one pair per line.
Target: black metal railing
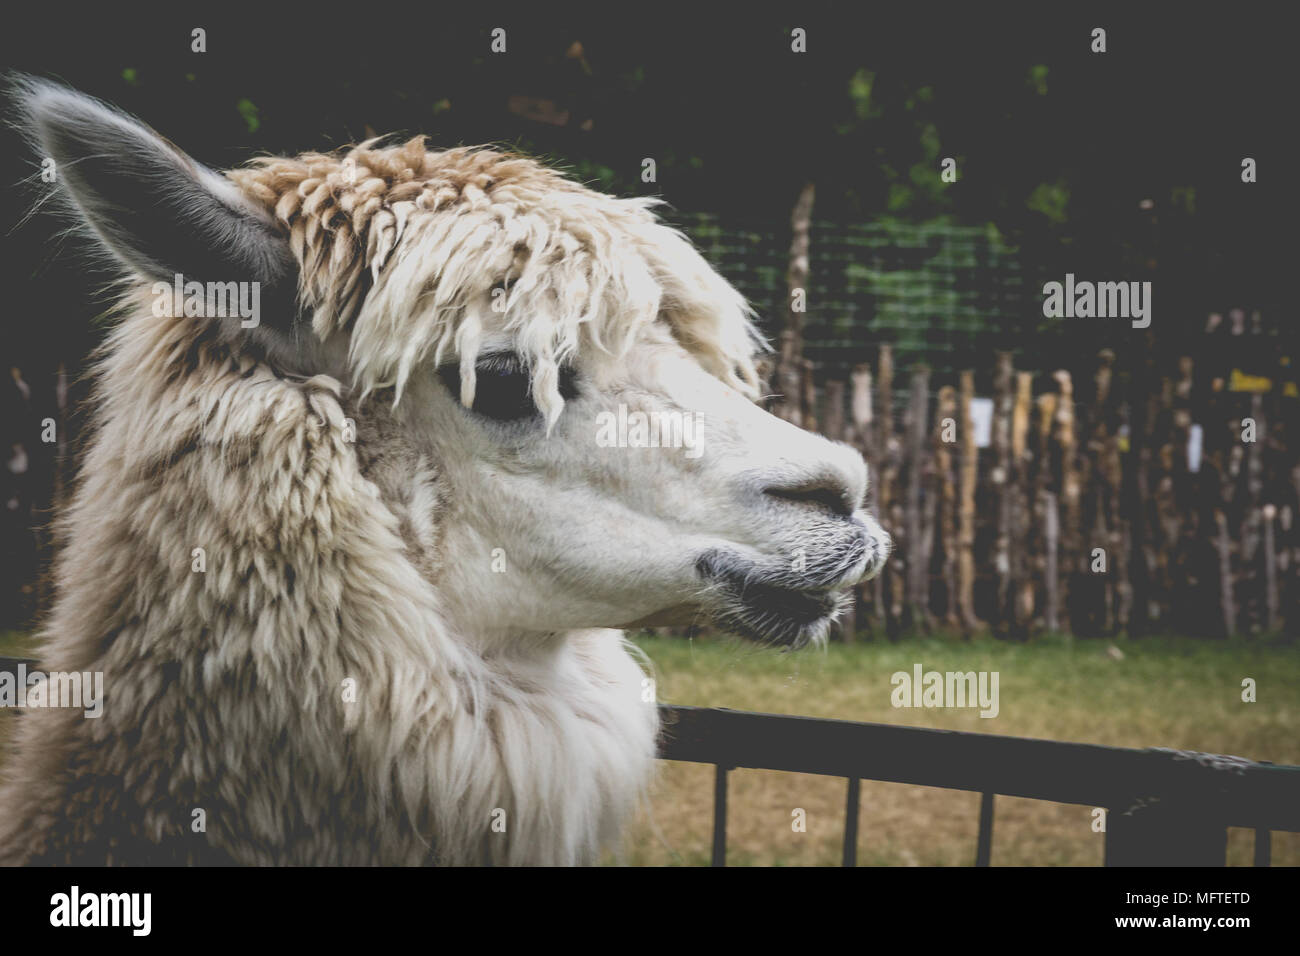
1164,807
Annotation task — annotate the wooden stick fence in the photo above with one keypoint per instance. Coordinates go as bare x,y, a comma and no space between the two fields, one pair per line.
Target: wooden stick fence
1167,504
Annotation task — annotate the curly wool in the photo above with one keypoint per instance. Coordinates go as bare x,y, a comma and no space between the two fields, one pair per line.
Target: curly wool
412,249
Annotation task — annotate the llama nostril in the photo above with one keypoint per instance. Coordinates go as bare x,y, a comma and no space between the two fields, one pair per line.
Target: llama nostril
826,492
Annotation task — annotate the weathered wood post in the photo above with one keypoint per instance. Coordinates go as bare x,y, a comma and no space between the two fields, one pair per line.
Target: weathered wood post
918,563
1227,601
889,510
944,493
1000,479
865,432
1070,488
1271,601
1107,481
786,381
788,376
966,512
1251,511
835,427
808,395
1022,584
1049,509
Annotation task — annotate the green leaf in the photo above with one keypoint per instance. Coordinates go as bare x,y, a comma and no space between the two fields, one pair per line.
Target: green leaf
1037,79
250,114
1050,199
860,85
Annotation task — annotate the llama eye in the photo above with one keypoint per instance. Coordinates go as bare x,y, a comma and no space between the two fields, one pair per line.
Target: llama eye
504,389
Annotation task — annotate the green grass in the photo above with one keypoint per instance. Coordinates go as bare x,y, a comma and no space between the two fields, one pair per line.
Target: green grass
1161,692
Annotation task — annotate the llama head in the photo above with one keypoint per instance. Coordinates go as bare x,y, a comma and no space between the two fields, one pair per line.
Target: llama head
582,380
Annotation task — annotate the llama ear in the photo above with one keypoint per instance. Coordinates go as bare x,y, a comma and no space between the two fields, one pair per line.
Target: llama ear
159,212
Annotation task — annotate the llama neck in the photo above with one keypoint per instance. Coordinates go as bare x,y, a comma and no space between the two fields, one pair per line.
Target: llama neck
273,650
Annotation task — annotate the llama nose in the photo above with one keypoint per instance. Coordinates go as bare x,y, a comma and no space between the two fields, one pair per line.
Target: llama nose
830,491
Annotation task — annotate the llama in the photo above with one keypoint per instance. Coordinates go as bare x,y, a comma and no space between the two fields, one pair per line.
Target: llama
355,568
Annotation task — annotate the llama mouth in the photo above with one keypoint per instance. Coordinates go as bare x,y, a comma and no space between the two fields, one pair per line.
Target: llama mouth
766,608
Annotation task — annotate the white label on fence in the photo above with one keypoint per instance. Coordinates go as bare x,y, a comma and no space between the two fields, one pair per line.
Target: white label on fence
981,417
1194,449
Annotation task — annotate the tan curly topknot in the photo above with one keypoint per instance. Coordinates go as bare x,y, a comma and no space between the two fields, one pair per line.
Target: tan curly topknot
413,249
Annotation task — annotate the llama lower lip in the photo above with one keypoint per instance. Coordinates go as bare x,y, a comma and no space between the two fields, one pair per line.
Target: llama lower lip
803,607
763,610
778,615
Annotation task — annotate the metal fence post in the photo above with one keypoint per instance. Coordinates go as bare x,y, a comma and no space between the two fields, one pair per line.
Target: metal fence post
720,816
984,845
851,804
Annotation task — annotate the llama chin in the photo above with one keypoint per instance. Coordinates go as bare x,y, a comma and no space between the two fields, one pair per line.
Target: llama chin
351,572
